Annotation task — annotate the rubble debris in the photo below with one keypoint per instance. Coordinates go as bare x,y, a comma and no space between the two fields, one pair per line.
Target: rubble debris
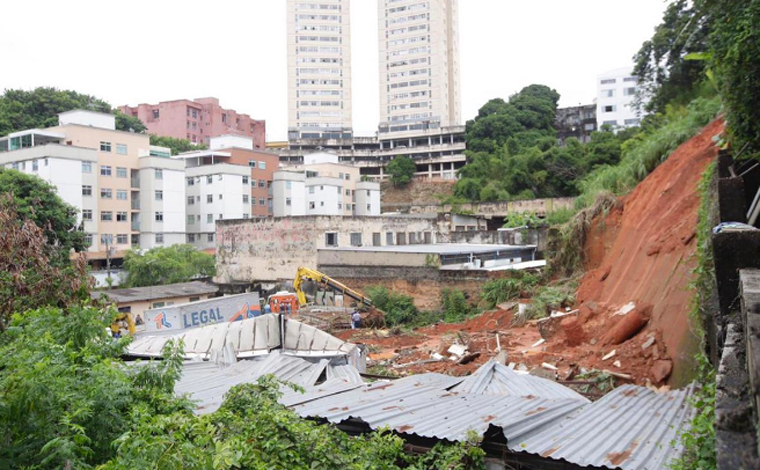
629,307
649,342
661,369
538,343
466,359
609,355
548,366
502,358
617,364
627,326
574,334
457,350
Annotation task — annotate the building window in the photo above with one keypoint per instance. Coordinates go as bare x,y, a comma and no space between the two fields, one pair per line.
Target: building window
156,114
288,185
209,198
121,239
121,172
191,181
348,207
105,146
86,190
262,202
245,180
262,165
608,93
262,184
159,174
190,201
340,175
287,201
220,177
375,239
210,237
159,216
105,170
159,239
221,216
106,216
159,195
348,192
190,219
348,177
340,206
369,207
608,81
209,179
331,239
86,214
106,239
428,238
252,163
88,239
86,167
221,196
311,205
401,238
609,108
629,91
632,122
356,239
311,189
246,198
121,194
121,149
253,201
35,165
121,216
389,238
106,193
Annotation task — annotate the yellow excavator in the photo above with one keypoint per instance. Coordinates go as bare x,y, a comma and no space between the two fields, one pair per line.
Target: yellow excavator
325,280
374,318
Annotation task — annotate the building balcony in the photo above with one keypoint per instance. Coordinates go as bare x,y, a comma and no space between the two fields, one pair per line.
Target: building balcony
135,225
135,183
135,204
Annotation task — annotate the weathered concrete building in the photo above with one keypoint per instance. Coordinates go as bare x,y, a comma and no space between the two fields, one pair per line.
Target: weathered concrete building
272,249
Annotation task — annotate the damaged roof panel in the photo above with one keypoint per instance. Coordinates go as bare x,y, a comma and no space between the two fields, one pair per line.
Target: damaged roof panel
630,428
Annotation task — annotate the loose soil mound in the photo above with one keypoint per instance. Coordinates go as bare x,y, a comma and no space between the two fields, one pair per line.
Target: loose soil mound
417,192
643,251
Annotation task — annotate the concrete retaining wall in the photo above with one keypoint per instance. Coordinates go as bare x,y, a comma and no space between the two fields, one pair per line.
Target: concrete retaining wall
497,209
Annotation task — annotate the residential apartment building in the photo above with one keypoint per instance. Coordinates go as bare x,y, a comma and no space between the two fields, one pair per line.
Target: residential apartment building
197,120
106,174
615,94
575,121
262,164
419,65
215,190
161,202
323,186
319,69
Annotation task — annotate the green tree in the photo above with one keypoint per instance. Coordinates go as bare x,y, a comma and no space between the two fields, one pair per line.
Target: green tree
401,170
128,123
735,57
177,146
28,278
38,201
399,308
665,73
39,108
167,265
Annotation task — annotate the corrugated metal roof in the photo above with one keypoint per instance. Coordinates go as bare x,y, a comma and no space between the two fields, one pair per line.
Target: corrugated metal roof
206,382
249,338
630,428
493,378
167,291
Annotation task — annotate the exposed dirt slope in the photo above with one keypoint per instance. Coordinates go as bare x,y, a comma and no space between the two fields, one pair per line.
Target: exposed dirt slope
643,251
417,192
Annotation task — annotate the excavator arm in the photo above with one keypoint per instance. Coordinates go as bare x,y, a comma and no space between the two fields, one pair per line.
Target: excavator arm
325,280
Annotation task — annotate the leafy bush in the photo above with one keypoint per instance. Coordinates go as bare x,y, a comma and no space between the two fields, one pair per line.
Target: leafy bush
401,170
454,306
500,290
167,265
548,298
699,439
399,308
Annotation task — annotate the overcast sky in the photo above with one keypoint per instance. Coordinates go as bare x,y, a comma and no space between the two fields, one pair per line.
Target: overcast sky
159,50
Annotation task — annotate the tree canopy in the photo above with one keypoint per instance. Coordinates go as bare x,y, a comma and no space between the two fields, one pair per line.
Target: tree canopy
401,170
167,265
39,108
38,201
177,146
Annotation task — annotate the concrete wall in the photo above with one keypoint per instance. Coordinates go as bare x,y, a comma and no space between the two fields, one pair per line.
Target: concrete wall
272,249
539,237
497,209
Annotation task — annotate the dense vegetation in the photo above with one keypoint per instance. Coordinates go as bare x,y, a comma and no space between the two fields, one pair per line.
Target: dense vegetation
401,170
512,151
177,146
39,108
167,265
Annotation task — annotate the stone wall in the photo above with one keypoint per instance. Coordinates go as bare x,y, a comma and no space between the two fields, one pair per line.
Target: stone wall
272,249
493,209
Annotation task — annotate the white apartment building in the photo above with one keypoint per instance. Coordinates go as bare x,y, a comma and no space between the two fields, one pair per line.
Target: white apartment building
162,202
319,69
98,170
323,186
419,65
615,93
214,191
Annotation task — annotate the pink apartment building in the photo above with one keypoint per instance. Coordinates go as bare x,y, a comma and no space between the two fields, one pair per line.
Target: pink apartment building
197,120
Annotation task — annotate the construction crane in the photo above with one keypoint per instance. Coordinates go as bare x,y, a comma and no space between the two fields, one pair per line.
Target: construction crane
325,280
